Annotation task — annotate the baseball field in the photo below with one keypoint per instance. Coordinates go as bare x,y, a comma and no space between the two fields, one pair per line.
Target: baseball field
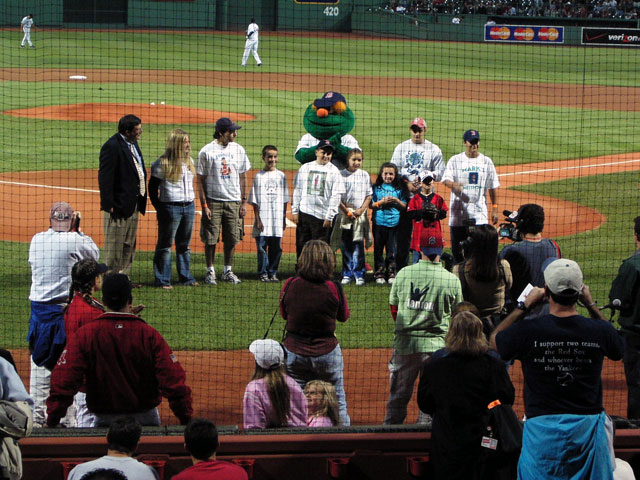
559,122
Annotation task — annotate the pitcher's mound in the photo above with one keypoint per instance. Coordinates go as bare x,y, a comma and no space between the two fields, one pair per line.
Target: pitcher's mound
111,112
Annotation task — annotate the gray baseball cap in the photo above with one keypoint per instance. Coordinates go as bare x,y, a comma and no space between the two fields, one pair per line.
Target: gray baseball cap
563,277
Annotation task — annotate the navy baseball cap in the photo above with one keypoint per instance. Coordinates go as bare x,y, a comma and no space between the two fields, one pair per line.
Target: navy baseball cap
225,124
471,135
324,144
328,100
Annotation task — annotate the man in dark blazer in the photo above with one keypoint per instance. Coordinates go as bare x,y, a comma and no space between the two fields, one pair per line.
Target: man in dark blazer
123,194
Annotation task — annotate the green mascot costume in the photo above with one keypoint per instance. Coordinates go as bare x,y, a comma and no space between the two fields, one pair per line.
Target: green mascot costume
328,118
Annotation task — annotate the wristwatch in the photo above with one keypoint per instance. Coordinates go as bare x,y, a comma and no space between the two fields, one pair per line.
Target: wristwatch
522,306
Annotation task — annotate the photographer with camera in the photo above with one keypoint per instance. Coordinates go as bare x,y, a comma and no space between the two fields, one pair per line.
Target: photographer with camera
425,209
530,251
470,175
52,255
625,295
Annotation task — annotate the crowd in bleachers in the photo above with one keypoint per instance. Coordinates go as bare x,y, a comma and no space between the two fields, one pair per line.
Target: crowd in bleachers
614,9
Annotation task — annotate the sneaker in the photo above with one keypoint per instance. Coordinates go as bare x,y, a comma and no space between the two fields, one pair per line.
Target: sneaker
230,277
392,278
346,280
359,282
380,281
264,277
273,278
368,268
210,279
21,46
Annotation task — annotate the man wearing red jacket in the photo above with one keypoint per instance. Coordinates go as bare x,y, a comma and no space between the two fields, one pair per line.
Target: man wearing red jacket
127,365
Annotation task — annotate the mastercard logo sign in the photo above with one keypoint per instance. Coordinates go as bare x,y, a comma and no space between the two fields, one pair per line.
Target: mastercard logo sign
526,34
548,34
500,33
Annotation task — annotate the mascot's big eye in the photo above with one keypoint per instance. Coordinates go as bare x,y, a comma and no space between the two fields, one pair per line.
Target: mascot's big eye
322,112
340,107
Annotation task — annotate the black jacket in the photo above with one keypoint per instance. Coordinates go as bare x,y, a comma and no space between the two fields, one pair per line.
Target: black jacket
118,179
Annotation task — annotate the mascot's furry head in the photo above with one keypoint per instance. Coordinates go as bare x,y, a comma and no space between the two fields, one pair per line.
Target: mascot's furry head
329,116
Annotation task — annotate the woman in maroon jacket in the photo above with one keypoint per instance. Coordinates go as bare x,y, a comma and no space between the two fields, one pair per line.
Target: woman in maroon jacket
311,303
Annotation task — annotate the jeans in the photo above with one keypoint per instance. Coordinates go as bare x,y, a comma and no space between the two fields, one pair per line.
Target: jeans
404,370
403,239
352,256
326,367
174,223
269,253
384,238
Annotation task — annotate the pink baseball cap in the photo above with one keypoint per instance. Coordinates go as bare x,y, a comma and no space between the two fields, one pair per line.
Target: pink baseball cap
419,122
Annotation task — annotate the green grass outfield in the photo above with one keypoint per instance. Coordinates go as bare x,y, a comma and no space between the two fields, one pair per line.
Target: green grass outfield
229,317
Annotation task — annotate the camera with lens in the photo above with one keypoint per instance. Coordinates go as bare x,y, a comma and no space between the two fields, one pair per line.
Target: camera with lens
509,227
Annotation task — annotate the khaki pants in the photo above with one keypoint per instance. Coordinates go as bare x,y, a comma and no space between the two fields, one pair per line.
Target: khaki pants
120,242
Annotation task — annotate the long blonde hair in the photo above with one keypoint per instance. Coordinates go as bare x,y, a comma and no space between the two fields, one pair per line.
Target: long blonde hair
329,400
174,156
465,335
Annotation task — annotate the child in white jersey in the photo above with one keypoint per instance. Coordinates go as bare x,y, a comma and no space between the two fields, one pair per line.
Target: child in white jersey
353,222
269,197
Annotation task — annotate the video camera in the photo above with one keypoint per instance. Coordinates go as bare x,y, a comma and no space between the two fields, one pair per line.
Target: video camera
509,227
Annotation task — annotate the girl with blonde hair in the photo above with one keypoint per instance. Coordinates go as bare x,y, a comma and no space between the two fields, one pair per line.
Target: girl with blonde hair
322,404
172,194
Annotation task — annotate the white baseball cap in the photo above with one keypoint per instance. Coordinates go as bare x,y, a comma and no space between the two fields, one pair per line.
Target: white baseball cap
268,353
563,277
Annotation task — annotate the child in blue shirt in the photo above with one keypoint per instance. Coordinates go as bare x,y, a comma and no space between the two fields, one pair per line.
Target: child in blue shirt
389,198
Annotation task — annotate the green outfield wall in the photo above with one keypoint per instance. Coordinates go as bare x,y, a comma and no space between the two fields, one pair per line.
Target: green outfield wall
272,15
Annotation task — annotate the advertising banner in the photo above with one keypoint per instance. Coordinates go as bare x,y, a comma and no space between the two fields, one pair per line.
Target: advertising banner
621,37
523,33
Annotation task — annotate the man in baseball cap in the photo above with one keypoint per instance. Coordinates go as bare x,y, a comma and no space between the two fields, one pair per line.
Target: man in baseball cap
222,189
562,354
412,157
52,255
421,300
470,175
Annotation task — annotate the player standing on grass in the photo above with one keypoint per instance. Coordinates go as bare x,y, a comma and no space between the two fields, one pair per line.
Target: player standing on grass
251,44
26,24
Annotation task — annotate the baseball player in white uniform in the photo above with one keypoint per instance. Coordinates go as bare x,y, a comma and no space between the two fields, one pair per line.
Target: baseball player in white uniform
470,175
251,44
26,24
412,157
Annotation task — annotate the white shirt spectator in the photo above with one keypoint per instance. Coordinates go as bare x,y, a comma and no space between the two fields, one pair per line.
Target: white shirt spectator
412,158
51,256
270,192
477,175
222,166
357,186
317,190
180,191
131,467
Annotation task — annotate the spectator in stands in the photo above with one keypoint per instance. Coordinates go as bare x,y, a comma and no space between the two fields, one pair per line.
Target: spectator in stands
626,289
126,364
484,278
86,280
322,404
567,433
311,304
104,474
527,256
52,254
15,415
201,441
272,399
456,386
122,441
421,301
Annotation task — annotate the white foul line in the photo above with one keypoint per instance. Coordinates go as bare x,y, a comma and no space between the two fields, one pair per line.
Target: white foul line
568,168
